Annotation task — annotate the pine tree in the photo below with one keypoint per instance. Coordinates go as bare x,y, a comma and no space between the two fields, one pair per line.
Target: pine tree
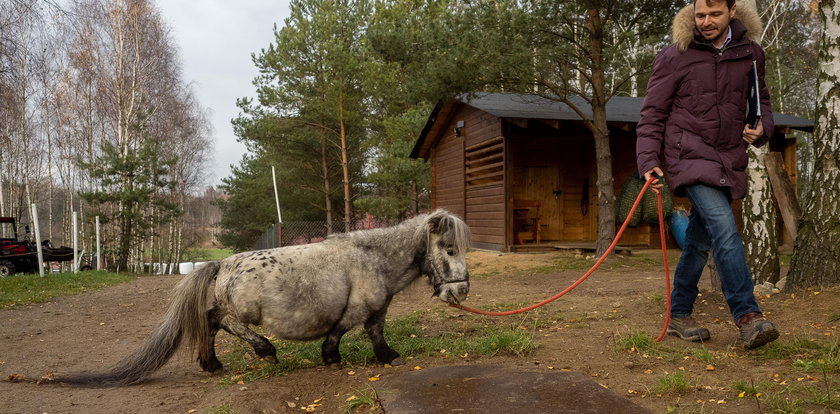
131,181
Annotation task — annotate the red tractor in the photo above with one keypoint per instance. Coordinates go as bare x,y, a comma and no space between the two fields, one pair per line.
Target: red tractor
21,256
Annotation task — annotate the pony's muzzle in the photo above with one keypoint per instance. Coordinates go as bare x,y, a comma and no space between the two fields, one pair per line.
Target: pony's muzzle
454,292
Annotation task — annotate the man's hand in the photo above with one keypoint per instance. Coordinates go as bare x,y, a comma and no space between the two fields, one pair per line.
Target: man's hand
655,185
751,135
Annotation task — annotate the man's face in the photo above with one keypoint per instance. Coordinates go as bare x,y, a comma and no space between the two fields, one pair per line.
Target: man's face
713,21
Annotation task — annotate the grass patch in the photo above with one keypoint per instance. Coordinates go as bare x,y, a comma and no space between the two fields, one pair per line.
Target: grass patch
29,289
363,399
825,358
404,334
788,349
201,255
657,298
784,404
640,341
835,317
704,355
686,409
675,383
744,389
225,408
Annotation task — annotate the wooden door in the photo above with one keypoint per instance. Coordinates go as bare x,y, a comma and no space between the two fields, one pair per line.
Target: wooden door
543,183
580,212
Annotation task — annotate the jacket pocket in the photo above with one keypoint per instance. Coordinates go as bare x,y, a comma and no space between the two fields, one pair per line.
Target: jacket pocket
693,147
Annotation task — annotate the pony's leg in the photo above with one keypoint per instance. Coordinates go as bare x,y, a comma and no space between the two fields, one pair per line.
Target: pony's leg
207,355
329,348
374,327
262,346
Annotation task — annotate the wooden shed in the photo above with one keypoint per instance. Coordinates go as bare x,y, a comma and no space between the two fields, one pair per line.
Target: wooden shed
520,169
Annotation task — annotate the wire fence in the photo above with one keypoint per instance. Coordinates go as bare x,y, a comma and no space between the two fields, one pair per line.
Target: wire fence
305,232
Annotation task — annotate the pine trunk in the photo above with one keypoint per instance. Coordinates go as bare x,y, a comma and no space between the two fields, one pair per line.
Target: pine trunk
325,171
345,168
759,213
815,258
601,134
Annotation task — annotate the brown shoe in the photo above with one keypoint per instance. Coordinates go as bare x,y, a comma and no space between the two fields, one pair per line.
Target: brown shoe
756,331
687,329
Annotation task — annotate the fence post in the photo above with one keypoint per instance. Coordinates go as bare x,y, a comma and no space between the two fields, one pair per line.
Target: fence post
279,217
367,221
98,250
75,242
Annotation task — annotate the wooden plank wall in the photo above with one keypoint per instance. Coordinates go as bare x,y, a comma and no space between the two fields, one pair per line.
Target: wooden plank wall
480,202
448,175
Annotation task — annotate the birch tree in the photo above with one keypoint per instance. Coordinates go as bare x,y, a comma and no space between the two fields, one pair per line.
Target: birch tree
758,209
816,258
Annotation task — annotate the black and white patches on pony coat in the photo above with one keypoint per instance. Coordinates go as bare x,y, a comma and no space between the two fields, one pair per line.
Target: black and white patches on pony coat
302,293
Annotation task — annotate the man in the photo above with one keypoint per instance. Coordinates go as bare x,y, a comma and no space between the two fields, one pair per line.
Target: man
694,113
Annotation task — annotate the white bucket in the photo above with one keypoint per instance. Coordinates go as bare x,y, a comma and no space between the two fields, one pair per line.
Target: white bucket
185,267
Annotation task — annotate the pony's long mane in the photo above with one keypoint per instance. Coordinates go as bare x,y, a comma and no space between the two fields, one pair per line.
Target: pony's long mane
452,229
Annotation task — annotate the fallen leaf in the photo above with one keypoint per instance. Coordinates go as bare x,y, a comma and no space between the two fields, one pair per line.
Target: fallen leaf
376,378
15,378
417,368
291,404
741,395
192,411
351,372
648,371
240,382
710,367
351,398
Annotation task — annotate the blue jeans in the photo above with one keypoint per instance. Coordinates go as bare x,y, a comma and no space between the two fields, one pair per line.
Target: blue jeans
711,224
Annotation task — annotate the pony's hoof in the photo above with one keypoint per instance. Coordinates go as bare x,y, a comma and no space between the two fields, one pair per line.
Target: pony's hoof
270,358
211,366
397,362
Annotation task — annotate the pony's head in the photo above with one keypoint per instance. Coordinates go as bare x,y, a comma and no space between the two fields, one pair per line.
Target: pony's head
447,243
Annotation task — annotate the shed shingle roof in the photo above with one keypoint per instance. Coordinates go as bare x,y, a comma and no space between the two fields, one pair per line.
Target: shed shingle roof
525,106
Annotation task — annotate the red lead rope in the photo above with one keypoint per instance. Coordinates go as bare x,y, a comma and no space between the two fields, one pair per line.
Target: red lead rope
598,263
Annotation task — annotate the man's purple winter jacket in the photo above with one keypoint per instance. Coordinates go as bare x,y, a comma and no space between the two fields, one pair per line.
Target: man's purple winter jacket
695,106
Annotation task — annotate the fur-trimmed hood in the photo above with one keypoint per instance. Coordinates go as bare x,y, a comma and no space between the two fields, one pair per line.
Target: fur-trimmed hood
682,31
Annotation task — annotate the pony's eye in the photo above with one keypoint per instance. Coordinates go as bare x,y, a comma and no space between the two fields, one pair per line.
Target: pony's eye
450,252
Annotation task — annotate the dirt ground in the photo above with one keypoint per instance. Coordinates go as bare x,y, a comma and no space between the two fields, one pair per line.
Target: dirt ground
91,331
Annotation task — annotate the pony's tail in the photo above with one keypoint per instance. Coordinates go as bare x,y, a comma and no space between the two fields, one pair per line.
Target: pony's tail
185,318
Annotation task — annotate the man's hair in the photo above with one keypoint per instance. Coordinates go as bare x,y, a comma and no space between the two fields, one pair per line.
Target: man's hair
729,3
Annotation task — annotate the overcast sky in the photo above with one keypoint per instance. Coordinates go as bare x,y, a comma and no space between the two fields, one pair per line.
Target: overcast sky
216,38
